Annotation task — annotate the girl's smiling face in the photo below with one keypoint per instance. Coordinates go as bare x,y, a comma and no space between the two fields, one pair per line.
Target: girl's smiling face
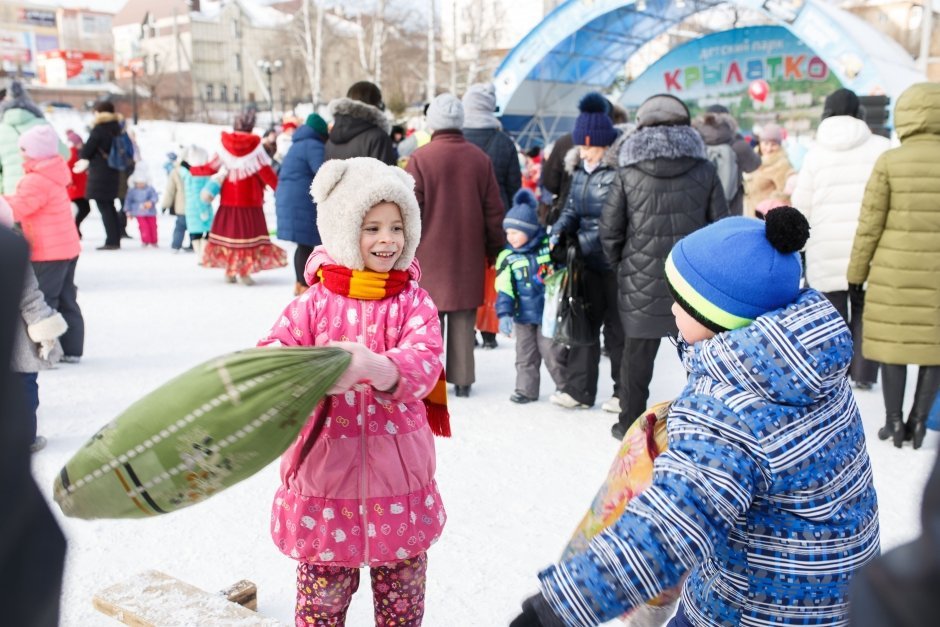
382,237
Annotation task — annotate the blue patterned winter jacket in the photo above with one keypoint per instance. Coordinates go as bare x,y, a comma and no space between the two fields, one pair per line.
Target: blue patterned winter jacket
520,289
764,498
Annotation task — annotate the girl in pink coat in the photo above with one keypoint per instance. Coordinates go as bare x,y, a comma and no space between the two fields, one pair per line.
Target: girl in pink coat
43,210
357,487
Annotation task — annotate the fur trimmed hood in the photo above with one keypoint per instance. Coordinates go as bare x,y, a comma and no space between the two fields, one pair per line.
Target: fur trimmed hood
573,157
358,111
345,190
661,142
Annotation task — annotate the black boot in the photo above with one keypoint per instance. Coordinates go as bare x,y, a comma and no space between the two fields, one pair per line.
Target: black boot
893,379
893,429
928,381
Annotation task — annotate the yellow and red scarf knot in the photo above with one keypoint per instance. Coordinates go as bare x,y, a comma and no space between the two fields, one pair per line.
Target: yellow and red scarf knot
370,285
362,284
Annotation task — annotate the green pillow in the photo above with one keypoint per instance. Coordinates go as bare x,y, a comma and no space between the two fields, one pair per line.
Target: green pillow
199,433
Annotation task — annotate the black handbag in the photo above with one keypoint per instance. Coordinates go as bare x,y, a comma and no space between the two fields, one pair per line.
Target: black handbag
573,327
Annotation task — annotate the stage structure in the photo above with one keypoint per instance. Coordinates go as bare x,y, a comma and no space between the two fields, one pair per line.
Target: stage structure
583,45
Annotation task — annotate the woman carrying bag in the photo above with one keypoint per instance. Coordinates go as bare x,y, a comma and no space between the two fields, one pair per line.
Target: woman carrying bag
593,165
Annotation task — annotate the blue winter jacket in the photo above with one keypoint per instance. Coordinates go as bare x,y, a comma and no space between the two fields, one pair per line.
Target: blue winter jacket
296,211
582,212
198,211
135,199
520,291
764,497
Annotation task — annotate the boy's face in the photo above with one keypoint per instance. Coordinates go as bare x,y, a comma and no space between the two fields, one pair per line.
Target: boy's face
140,185
692,330
382,237
768,147
516,238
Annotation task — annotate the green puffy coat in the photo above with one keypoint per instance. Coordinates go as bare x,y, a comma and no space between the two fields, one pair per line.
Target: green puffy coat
897,244
14,123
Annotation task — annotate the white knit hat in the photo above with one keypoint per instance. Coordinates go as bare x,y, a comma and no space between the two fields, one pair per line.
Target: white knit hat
345,190
445,112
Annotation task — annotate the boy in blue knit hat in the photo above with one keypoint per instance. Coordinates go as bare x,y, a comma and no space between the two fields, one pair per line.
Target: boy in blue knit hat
763,502
520,297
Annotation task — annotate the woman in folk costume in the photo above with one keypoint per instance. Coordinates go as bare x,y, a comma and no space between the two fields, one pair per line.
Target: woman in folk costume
238,240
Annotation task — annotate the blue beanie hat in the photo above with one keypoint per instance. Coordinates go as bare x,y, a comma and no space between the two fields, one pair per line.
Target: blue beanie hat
523,216
593,126
728,273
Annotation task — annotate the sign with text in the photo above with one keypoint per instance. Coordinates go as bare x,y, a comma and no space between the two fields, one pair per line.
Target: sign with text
719,68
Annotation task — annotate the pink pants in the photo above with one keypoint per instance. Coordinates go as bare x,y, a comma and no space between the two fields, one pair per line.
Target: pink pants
148,229
324,593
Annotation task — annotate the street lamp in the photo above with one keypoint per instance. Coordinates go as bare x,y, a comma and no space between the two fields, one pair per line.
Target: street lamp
269,68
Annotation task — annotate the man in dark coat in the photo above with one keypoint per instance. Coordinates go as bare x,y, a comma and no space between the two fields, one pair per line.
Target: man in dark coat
360,128
483,130
666,188
462,229
32,548
296,211
103,180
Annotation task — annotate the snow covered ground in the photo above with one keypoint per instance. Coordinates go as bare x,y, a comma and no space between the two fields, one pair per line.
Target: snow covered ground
515,479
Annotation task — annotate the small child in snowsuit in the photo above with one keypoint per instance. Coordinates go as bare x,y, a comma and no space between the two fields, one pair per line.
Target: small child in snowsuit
520,297
35,343
141,203
357,486
764,500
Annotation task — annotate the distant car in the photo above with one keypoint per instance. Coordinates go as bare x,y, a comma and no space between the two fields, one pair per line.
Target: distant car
51,106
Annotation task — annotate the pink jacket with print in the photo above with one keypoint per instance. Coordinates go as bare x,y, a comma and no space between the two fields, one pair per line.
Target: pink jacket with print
365,493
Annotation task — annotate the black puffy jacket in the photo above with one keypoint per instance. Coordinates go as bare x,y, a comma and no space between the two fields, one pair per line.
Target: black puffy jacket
581,215
501,150
664,190
359,130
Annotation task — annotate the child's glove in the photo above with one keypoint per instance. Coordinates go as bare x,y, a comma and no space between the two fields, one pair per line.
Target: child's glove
45,333
48,328
536,613
80,166
366,367
505,326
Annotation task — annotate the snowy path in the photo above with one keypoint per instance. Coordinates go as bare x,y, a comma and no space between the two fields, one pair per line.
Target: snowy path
515,479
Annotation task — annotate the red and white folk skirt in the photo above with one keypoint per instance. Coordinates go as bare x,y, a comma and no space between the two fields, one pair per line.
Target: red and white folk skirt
239,242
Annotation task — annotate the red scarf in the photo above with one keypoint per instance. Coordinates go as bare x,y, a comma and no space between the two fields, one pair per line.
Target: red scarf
369,285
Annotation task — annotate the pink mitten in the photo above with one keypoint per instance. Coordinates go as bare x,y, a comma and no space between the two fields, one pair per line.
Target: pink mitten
366,367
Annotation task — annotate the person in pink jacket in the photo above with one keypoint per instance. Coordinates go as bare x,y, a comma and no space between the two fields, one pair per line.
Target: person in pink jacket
42,207
357,486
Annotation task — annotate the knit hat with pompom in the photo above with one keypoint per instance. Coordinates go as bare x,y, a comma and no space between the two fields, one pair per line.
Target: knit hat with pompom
345,190
524,216
593,126
732,271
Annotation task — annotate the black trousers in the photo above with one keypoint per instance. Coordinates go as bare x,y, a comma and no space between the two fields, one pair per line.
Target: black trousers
850,307
109,217
57,283
583,366
81,204
300,260
636,372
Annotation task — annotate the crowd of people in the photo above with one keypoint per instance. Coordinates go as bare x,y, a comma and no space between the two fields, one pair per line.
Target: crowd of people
780,288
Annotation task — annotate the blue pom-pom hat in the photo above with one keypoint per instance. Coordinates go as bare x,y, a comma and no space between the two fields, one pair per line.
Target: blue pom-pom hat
728,273
593,126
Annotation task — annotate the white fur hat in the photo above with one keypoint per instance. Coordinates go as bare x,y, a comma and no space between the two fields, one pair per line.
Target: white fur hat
345,190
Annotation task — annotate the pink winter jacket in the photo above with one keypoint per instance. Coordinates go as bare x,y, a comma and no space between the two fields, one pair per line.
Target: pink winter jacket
365,493
42,207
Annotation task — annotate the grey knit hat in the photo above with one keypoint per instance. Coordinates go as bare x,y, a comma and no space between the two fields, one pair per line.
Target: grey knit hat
445,112
662,110
17,98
